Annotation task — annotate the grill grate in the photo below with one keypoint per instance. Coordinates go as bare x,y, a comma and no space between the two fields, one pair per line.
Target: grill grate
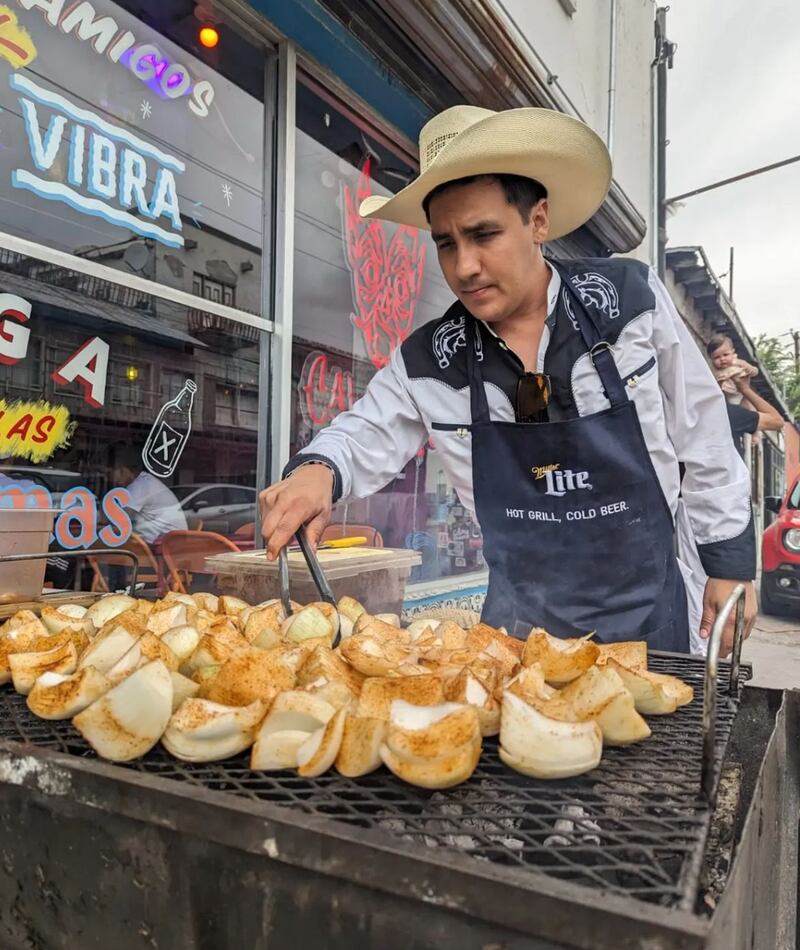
635,826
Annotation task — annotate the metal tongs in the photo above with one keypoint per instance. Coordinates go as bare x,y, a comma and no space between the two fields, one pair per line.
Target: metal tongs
708,778
314,569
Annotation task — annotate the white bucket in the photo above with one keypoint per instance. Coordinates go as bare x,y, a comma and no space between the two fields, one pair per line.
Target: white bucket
24,531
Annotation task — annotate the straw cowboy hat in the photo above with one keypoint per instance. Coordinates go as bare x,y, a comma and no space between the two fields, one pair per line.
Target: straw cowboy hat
562,153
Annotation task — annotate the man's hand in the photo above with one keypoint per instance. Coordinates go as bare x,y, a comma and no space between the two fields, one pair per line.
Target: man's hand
304,498
716,593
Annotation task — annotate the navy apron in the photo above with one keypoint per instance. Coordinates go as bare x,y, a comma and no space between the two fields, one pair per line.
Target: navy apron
576,530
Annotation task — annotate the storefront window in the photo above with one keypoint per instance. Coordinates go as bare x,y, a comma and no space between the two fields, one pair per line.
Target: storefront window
126,144
344,330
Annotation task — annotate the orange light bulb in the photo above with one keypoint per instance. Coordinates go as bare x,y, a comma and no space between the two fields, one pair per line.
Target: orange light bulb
209,37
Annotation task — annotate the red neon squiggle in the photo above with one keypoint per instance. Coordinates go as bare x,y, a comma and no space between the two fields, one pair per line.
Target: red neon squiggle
325,390
387,275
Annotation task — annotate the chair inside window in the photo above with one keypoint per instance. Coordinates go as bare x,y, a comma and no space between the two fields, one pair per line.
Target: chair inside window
185,554
246,532
336,531
148,573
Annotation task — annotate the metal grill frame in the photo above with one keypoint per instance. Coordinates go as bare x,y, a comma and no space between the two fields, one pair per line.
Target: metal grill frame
642,836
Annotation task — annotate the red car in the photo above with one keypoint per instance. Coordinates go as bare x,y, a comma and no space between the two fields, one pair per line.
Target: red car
780,554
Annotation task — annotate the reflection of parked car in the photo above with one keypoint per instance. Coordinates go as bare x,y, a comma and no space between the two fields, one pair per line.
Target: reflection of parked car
55,480
780,553
221,508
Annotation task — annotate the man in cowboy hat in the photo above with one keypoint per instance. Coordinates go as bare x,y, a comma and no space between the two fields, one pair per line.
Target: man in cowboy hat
562,397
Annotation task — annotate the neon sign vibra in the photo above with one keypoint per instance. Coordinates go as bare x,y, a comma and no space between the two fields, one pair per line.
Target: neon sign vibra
144,60
107,166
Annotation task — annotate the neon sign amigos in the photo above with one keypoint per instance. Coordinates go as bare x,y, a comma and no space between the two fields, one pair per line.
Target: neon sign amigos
145,60
105,160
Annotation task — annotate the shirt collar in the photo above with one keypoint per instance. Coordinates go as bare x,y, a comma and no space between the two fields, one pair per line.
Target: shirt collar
553,287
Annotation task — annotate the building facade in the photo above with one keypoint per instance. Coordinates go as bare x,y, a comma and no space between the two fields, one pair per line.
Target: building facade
706,309
184,278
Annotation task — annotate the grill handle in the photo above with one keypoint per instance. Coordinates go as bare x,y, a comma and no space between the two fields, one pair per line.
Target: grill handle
737,600
101,552
314,569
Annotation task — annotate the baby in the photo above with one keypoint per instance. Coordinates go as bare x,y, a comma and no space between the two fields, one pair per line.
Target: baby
728,367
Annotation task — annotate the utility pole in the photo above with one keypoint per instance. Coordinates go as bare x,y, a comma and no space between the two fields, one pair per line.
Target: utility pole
730,278
665,52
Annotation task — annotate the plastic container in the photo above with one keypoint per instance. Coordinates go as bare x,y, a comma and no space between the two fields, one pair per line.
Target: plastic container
376,577
24,531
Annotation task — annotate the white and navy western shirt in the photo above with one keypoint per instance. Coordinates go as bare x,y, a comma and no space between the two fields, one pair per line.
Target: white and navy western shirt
679,403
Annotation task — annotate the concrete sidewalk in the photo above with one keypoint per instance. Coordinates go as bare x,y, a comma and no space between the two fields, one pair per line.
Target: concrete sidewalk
774,650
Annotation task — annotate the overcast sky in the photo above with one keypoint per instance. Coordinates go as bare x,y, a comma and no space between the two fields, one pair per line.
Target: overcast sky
734,104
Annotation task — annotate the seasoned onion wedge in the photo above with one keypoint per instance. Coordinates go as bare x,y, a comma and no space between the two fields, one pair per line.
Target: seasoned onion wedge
378,693
183,641
27,638
392,619
263,626
107,608
232,606
69,618
107,648
334,692
431,731
451,636
61,696
681,692
26,668
561,660
323,662
630,653
277,750
600,694
529,684
250,675
203,731
505,659
380,630
318,753
653,694
481,635
373,657
166,616
468,688
147,648
349,611
298,710
129,719
204,601
434,773
315,621
434,746
176,597
21,619
421,627
182,688
132,620
360,751
536,745
205,675
213,650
